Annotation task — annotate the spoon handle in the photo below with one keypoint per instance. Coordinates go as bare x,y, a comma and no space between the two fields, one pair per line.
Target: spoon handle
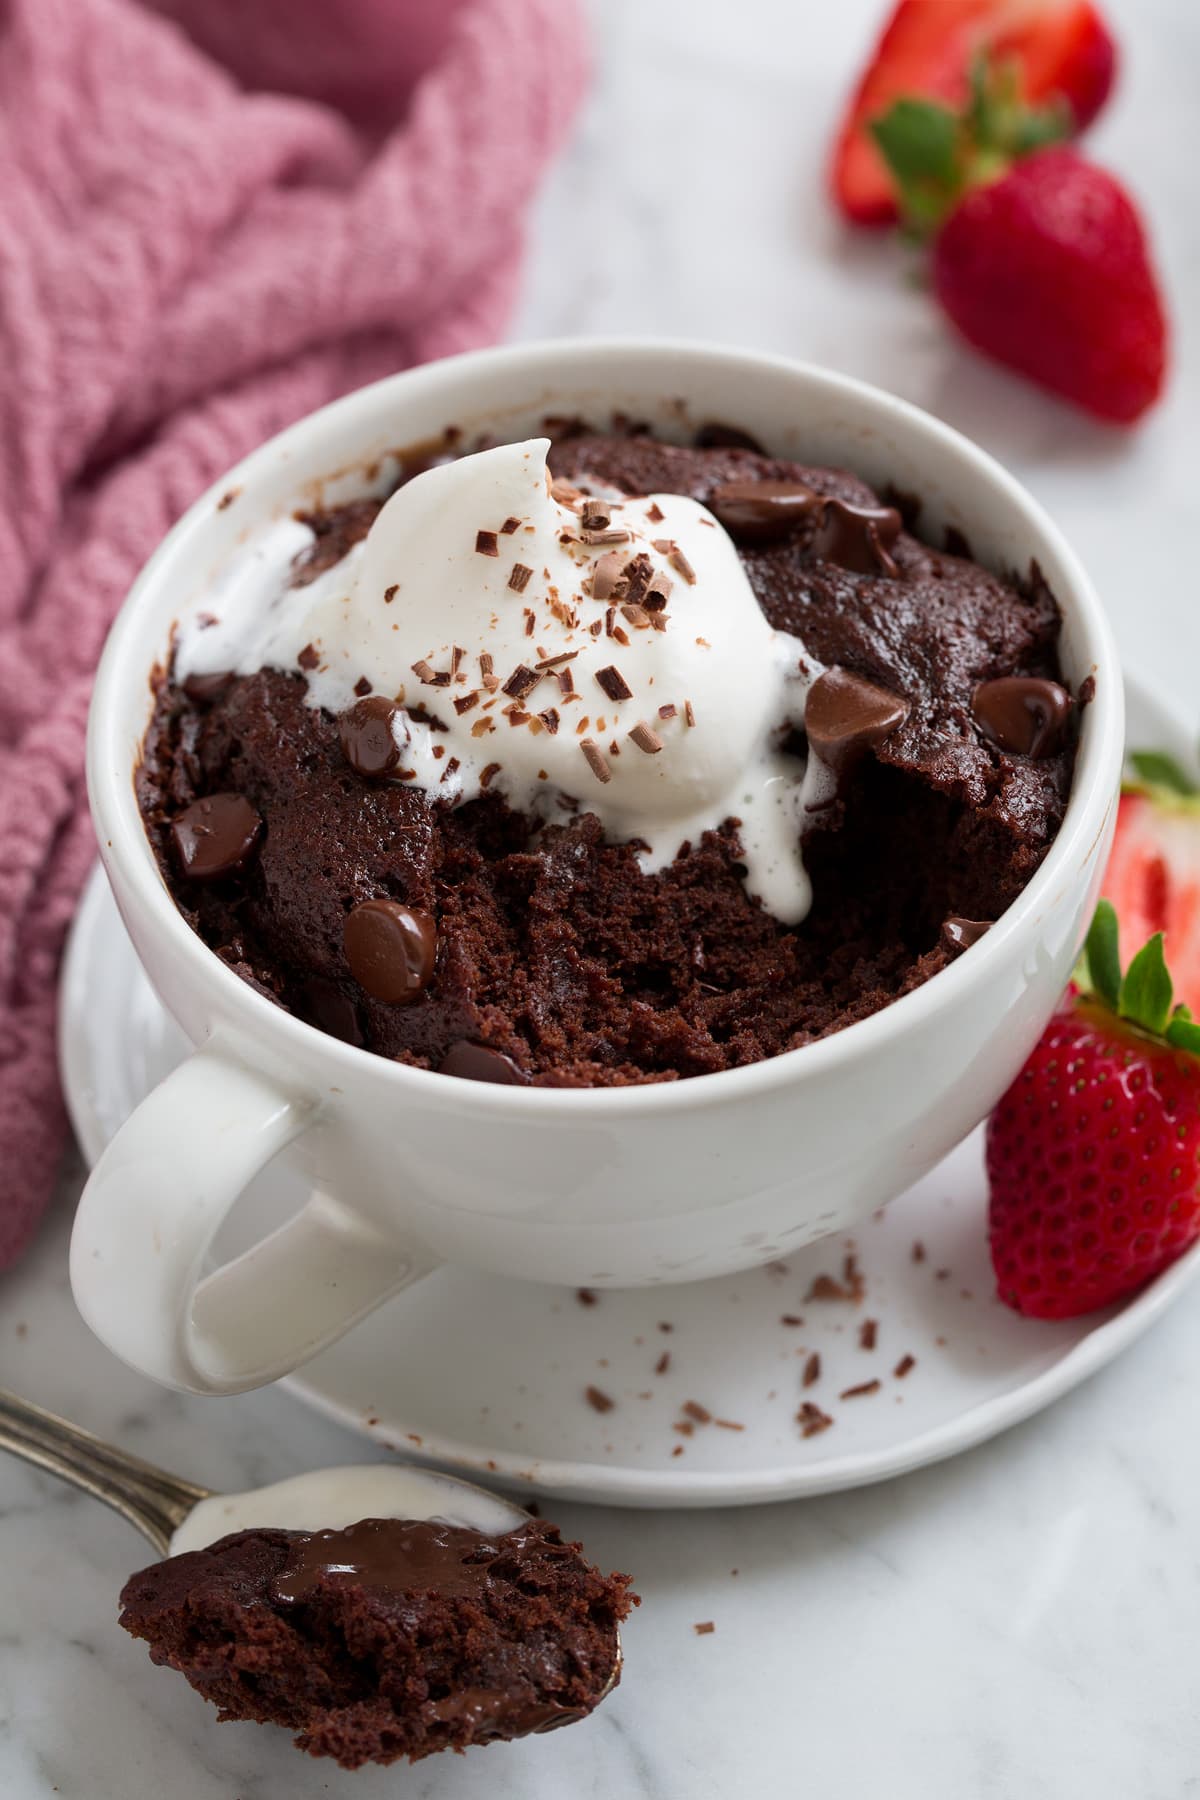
151,1499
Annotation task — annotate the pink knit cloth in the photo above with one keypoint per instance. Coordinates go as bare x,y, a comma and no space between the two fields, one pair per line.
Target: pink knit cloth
215,215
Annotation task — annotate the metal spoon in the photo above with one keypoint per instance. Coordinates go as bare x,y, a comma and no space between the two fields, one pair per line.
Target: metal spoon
177,1515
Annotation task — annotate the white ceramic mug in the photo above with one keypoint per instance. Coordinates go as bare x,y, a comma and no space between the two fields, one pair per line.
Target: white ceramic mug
611,1186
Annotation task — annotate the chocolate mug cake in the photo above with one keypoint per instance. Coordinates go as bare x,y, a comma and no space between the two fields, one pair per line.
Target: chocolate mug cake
604,760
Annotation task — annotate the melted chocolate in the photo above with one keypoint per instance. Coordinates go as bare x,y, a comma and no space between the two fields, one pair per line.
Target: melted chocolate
215,836
1023,714
858,538
404,1556
845,715
367,739
960,934
390,949
475,1062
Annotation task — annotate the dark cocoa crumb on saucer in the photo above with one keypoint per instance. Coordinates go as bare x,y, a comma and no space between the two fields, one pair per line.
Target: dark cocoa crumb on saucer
812,1370
812,1420
598,1400
863,1387
902,1368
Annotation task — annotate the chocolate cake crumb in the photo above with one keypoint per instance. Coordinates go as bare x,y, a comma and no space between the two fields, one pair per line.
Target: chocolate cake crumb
598,1400
663,1363
863,1387
487,543
812,1370
868,1331
729,1425
586,1297
665,1325
902,1368
519,577
705,1628
918,1252
791,1319
695,1411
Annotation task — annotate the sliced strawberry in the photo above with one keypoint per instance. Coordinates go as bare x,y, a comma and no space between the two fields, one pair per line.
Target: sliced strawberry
1153,874
1060,48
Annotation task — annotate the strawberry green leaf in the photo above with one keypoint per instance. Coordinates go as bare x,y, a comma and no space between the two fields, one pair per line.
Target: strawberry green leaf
1183,1033
1157,769
1102,956
1145,997
919,141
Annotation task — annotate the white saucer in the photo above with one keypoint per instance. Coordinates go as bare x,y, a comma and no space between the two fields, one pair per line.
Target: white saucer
489,1377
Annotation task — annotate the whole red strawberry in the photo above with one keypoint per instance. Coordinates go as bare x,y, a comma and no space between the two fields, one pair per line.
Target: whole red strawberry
1048,271
1038,257
1093,1154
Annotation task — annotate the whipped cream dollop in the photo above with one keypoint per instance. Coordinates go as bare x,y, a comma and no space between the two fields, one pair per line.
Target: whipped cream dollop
572,653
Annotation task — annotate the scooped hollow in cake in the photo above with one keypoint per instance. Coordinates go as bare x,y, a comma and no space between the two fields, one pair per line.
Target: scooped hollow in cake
718,793
389,1638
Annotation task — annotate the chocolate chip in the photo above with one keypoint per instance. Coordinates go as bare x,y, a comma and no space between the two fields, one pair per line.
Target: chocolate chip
1022,713
325,1005
367,737
216,836
715,436
857,538
845,715
204,689
760,511
475,1062
960,934
390,949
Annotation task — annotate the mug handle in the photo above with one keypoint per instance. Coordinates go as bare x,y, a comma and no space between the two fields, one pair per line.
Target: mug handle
150,1211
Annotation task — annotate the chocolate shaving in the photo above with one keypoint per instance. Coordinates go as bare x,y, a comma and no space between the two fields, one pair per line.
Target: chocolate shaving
868,1331
689,712
566,684
552,662
729,1425
638,617
694,1410
812,1370
309,657
519,577
645,738
903,1366
486,775
456,656
530,621
598,1400
487,543
812,1420
704,1628
655,513
450,768
597,515
613,683
362,686
639,578
522,681
620,635
510,525
606,575
389,593
663,1363
595,760
464,702
549,719
562,491
425,672
864,1387
682,566
610,619
613,534
668,711
481,727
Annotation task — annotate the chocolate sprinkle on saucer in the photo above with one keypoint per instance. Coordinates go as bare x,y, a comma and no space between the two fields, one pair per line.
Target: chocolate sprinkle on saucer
390,949
215,836
1023,714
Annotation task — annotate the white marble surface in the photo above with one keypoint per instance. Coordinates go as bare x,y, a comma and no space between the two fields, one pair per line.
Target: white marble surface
1020,1622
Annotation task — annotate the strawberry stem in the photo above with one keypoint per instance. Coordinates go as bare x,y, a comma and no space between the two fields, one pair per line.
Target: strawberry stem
1141,997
